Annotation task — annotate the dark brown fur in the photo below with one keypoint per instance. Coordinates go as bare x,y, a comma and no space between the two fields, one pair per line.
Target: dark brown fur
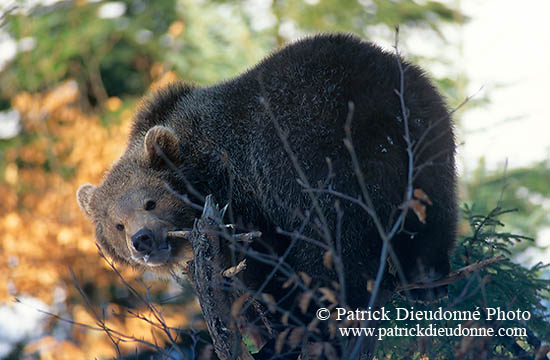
222,140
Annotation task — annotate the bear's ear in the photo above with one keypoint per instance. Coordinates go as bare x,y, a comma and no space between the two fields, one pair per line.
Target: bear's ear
83,197
161,144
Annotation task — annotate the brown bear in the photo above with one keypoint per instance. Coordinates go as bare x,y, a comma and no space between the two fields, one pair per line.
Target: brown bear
260,143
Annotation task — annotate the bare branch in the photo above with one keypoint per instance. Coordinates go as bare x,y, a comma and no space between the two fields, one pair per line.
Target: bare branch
185,234
453,276
207,279
234,270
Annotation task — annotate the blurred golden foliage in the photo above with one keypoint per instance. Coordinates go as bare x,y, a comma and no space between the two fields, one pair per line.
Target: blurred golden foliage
43,230
176,28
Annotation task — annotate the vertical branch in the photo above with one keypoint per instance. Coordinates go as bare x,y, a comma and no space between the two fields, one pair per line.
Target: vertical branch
399,223
205,273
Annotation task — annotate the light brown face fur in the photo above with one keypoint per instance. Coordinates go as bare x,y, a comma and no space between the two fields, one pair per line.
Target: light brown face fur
134,208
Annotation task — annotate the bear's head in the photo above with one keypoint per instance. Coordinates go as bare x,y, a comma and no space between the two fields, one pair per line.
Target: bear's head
138,203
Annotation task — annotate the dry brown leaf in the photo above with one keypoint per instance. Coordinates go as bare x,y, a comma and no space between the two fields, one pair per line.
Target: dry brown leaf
255,334
270,301
238,305
296,336
370,285
305,278
280,342
329,295
284,318
421,195
327,259
419,210
305,299
312,327
332,329
290,281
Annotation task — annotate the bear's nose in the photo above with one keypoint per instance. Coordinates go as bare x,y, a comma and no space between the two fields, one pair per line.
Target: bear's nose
142,241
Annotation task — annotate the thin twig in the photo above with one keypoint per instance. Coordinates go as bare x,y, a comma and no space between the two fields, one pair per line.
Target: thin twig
453,276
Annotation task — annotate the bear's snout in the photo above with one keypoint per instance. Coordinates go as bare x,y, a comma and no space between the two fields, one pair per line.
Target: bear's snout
142,241
148,250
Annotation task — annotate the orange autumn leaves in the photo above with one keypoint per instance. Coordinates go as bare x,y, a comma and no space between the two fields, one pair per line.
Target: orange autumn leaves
43,230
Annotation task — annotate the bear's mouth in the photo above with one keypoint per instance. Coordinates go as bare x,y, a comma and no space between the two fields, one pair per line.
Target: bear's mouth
174,248
155,258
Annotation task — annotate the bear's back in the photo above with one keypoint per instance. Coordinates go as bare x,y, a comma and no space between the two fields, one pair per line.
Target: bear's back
305,93
284,117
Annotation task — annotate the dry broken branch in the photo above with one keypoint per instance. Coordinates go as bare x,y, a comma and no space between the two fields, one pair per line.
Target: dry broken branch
211,278
453,276
234,270
185,234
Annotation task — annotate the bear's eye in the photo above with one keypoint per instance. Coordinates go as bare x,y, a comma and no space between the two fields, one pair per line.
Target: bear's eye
150,205
120,227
